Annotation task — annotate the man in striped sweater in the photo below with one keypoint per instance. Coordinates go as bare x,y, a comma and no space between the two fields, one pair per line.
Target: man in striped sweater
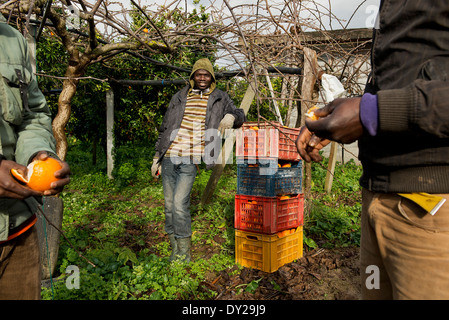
191,131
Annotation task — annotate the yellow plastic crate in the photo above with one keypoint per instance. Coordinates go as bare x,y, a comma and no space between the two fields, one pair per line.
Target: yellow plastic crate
268,252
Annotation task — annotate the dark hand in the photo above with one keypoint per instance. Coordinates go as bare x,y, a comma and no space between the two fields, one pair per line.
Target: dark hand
339,121
9,186
309,145
63,175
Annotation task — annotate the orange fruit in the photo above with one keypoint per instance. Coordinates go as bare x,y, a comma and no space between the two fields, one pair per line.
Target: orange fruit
40,174
282,233
311,113
254,128
285,233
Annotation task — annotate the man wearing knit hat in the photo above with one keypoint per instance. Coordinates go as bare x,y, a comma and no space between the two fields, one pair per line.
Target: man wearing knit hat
196,117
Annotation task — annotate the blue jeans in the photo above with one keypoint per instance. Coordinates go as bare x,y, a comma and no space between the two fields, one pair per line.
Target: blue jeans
178,176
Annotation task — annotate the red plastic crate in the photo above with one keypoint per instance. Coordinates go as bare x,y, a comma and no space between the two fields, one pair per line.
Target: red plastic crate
268,215
270,140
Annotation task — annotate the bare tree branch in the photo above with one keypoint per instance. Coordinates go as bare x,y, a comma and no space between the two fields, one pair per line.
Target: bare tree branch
252,37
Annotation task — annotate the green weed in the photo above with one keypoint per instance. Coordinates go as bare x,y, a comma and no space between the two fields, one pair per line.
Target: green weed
118,225
333,219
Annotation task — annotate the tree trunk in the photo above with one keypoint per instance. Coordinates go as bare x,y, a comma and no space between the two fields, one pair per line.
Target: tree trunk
63,115
94,150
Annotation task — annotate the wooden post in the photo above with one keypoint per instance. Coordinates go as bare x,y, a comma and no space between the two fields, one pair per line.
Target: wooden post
292,112
331,167
109,131
227,148
310,76
276,108
48,235
310,73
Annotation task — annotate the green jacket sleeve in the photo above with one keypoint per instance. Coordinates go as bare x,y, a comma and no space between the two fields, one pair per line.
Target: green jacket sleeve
34,134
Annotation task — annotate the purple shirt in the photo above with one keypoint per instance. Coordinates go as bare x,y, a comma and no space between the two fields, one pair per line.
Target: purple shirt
369,113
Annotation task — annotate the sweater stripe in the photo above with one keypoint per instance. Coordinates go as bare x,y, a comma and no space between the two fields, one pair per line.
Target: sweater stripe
189,139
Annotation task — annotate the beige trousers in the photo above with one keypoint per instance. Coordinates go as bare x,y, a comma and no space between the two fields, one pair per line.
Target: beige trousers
20,271
404,250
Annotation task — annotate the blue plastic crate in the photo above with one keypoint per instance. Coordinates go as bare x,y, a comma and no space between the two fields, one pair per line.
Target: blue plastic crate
268,180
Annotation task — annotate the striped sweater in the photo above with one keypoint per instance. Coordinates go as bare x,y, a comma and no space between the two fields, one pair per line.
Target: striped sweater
189,140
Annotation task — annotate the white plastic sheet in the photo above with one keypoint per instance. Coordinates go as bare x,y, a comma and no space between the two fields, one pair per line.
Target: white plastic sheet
331,88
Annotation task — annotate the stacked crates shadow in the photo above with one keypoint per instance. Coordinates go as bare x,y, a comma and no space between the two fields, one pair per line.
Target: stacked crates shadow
269,204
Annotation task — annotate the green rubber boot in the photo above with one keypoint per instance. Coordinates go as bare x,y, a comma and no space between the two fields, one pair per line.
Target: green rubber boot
184,246
174,246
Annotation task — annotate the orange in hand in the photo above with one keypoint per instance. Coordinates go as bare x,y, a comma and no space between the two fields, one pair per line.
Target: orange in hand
311,113
40,174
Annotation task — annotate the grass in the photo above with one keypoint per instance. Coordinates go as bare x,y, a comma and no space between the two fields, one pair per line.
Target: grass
118,225
333,219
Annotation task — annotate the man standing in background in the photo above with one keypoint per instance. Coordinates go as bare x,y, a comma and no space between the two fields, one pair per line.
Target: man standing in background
192,121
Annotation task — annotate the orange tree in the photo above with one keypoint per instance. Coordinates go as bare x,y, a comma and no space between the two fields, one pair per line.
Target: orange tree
85,46
139,108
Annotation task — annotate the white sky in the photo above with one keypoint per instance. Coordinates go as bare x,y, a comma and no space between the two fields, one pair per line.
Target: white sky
342,9
365,15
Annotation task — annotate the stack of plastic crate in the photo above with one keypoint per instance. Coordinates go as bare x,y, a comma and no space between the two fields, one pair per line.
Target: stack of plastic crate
269,204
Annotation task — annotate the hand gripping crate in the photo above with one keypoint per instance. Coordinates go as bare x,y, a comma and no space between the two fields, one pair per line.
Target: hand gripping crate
269,180
268,252
268,215
266,140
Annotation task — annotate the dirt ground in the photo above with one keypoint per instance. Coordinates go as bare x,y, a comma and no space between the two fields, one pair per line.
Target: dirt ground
321,274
